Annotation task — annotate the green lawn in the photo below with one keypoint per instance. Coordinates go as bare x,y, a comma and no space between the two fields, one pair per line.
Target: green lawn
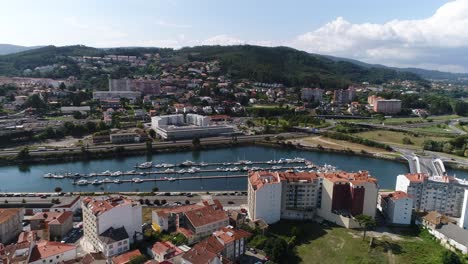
402,120
396,138
331,244
435,129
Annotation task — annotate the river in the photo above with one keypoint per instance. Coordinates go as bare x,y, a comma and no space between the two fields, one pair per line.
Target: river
30,178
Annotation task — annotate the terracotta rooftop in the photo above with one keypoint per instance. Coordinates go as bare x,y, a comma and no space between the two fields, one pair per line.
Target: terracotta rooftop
436,218
258,179
53,218
46,249
177,210
416,177
298,176
165,248
205,215
7,214
204,252
101,206
351,177
126,257
397,195
227,235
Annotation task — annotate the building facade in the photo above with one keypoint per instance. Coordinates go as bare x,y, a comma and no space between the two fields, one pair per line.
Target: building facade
444,194
312,94
396,206
344,96
55,224
10,224
336,197
101,217
391,106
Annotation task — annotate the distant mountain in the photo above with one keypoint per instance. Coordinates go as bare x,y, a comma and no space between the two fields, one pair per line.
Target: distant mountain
426,74
9,49
292,67
263,64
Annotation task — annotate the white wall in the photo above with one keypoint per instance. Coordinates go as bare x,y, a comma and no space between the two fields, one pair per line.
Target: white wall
268,203
463,222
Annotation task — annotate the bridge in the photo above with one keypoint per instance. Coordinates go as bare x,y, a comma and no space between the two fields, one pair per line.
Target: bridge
430,165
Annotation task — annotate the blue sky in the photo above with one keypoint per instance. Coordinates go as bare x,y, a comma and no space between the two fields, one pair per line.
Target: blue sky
398,32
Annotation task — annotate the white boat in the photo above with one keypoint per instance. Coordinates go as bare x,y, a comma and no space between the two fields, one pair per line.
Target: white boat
158,166
117,173
168,165
235,169
117,181
92,174
218,169
171,179
58,177
48,175
107,180
203,164
137,180
276,168
188,163
96,182
107,172
82,182
245,168
145,165
182,171
169,171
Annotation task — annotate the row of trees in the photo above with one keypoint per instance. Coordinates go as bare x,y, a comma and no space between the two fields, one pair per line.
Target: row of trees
457,146
358,140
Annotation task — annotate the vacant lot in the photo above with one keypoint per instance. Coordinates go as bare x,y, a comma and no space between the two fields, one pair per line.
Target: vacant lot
396,138
331,244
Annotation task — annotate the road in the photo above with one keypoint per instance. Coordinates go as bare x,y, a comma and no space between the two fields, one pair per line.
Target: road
156,145
452,126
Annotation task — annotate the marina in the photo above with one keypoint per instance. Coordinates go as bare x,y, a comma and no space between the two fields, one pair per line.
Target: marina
204,164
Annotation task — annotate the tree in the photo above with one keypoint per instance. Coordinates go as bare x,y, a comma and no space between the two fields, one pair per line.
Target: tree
23,201
24,154
187,202
155,189
196,142
152,133
449,257
58,189
157,202
35,101
149,146
407,141
366,222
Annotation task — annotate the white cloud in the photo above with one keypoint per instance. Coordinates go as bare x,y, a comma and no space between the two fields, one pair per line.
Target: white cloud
406,41
223,40
164,23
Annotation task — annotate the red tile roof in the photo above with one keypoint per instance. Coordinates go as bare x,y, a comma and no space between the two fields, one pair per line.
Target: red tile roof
417,177
258,179
351,177
102,206
7,214
206,215
397,195
46,249
53,218
177,210
126,257
228,235
204,252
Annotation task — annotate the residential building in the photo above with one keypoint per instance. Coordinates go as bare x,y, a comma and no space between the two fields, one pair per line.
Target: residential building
116,95
10,224
336,197
391,106
341,97
396,206
234,242
126,257
29,249
29,209
463,222
201,255
444,194
130,137
443,228
264,196
373,98
182,126
93,258
111,224
312,94
165,251
66,110
55,225
145,87
193,221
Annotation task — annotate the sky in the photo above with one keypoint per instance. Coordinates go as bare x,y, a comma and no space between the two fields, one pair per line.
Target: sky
431,34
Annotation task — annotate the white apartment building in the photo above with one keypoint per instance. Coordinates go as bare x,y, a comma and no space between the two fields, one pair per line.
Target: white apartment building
185,126
336,197
396,206
463,223
315,94
264,196
444,194
109,223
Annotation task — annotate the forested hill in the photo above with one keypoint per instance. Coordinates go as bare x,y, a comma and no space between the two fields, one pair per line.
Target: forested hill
291,67
263,64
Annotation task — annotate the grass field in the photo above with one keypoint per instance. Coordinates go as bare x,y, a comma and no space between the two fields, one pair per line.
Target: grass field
341,145
396,138
402,120
436,130
323,244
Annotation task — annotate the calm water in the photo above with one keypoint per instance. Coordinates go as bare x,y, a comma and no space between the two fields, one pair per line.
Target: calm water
29,179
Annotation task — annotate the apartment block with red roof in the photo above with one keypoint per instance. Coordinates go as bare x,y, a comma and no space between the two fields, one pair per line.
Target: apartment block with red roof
336,197
126,257
444,194
397,207
111,224
55,225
